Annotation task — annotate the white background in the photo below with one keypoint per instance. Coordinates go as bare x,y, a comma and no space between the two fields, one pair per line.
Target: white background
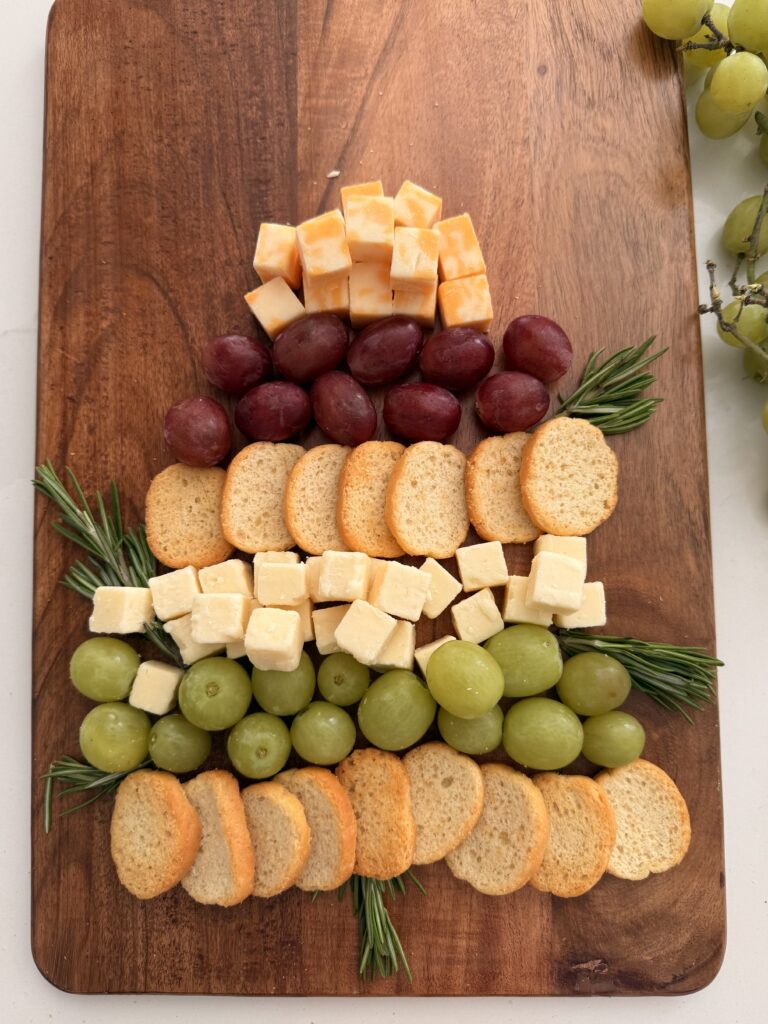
738,464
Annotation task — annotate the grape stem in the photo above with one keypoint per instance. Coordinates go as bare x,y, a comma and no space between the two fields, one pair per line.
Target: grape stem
720,42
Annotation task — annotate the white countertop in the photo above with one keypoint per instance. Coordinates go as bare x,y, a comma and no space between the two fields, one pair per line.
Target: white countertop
738,465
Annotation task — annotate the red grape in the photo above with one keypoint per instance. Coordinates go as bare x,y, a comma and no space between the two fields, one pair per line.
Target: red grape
539,346
456,358
197,431
385,350
421,412
273,412
342,408
511,401
236,364
310,347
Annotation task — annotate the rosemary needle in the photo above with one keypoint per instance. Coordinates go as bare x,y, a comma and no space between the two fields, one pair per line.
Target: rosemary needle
78,777
381,952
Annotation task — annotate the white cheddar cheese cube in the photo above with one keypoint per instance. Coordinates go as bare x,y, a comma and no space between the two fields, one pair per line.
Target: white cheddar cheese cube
154,688
574,547
399,650
370,228
231,577
420,305
482,565
370,293
460,253
275,306
415,207
277,254
273,640
400,590
172,592
282,583
312,565
323,246
515,608
414,259
330,296
365,188
305,614
344,576
364,631
219,618
591,613
276,557
325,622
425,652
477,618
180,630
466,303
443,588
121,610
556,582
236,648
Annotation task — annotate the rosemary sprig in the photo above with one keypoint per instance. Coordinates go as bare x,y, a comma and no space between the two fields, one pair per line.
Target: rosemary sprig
676,677
78,777
381,952
115,557
609,392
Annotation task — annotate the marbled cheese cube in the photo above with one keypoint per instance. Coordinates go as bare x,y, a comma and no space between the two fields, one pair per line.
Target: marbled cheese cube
121,610
180,631
370,294
172,592
273,640
424,653
370,228
305,614
477,618
275,306
277,254
323,246
515,608
219,618
231,577
325,622
460,254
398,651
556,582
466,303
344,576
282,584
400,590
573,547
366,188
364,631
329,296
154,688
482,565
236,648
415,207
414,259
420,305
590,613
443,587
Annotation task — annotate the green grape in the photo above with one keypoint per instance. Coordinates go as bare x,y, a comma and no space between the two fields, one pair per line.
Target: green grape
472,735
613,739
178,746
259,745
593,683
396,711
739,82
763,148
754,366
285,693
464,679
714,122
115,737
762,279
323,733
214,693
674,19
691,74
751,321
342,680
739,224
542,733
748,25
529,657
707,58
103,668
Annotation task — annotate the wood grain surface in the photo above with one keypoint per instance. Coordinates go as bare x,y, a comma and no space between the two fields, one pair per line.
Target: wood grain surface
173,127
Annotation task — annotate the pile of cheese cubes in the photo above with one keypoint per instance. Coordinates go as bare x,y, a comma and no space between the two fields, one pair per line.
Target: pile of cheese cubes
382,256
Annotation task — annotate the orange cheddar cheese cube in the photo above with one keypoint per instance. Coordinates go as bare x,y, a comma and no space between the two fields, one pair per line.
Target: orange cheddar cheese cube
419,305
460,254
323,246
331,296
414,259
466,302
366,188
370,228
370,294
277,254
417,208
275,306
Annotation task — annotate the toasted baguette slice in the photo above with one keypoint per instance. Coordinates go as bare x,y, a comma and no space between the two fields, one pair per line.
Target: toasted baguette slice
331,823
252,504
446,798
426,507
568,477
280,836
377,784
223,869
183,517
154,833
311,497
493,490
582,831
505,848
653,828
362,497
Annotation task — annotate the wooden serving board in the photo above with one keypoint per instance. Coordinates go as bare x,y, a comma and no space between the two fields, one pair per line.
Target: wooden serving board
173,127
